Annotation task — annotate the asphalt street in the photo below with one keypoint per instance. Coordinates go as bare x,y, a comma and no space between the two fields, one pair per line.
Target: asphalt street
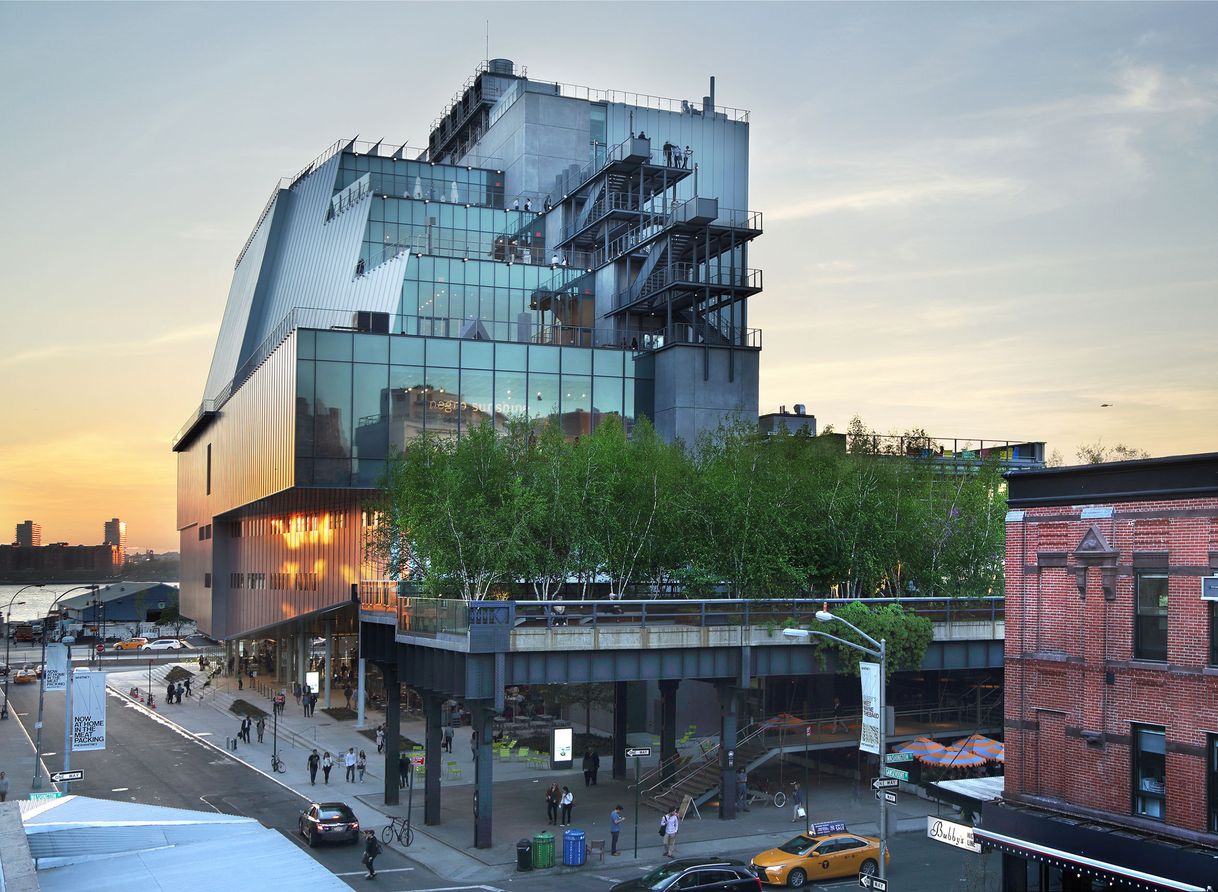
152,762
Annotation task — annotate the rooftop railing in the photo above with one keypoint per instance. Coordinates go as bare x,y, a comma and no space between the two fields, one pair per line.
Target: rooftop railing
436,615
967,449
694,275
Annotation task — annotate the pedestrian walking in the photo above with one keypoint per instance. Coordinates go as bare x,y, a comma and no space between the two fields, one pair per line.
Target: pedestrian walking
798,812
742,790
314,762
296,690
616,820
380,738
240,684
246,725
347,692
404,767
587,766
261,727
837,717
361,764
182,690
596,765
372,848
449,733
553,795
349,760
670,824
3,786
186,683
473,744
326,764
170,691
305,703
566,802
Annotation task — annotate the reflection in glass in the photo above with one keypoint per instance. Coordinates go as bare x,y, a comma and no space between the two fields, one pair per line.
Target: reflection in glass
511,398
371,434
443,401
332,410
477,398
543,395
576,405
304,407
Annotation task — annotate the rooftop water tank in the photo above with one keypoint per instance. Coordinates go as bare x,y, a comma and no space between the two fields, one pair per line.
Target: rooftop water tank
501,66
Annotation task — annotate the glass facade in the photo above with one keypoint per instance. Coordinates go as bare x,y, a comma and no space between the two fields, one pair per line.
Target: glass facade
360,396
421,180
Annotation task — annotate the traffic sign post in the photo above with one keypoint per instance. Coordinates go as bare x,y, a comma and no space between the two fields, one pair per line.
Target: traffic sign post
636,753
892,758
897,773
881,783
60,777
874,883
53,794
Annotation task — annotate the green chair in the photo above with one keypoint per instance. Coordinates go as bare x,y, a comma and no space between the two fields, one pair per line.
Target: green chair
523,753
454,770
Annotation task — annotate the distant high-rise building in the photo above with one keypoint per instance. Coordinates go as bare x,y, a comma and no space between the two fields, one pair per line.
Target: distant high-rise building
116,533
29,534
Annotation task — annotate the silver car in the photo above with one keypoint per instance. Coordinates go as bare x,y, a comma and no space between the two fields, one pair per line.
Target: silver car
164,644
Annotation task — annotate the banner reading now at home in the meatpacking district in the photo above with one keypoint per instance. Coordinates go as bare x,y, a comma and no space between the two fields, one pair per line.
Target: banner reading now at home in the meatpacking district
55,670
869,736
88,710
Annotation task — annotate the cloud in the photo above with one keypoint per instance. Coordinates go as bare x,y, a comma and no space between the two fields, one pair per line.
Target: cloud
125,348
917,189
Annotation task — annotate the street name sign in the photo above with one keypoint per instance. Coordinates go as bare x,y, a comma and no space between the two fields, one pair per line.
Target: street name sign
897,773
59,777
880,783
636,752
892,758
54,794
874,883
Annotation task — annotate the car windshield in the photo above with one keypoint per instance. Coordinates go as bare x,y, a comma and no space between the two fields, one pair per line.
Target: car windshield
662,876
800,845
335,814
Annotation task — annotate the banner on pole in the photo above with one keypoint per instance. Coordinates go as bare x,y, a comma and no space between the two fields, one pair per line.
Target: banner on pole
55,672
88,710
869,736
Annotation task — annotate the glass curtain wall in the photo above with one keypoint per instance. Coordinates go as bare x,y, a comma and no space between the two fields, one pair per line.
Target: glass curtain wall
360,396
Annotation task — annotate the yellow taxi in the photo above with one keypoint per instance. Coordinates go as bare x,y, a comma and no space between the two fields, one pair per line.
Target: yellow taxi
25,675
829,851
133,644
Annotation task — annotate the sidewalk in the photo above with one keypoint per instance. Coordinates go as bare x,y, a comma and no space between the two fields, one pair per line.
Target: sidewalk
519,802
17,757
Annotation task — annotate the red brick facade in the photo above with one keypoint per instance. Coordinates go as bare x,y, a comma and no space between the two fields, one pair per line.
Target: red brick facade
1074,689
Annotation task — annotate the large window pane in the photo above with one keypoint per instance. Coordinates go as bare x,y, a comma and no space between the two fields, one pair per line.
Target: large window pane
1150,631
543,395
607,397
442,393
511,398
1149,771
576,405
406,405
334,345
442,352
511,357
372,348
332,410
304,407
477,397
371,398
543,359
406,351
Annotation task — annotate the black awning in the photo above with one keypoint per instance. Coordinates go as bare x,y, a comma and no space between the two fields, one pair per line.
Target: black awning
1090,848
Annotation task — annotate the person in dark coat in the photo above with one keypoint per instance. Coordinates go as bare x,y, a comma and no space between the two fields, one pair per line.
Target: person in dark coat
170,690
314,763
587,766
372,848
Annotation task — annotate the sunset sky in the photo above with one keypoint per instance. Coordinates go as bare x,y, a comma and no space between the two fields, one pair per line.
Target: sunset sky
985,220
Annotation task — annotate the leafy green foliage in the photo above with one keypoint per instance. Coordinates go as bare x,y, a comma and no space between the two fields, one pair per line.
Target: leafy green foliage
905,635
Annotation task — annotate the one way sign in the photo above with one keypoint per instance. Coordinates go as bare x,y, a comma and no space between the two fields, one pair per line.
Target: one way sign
60,776
880,783
875,883
636,752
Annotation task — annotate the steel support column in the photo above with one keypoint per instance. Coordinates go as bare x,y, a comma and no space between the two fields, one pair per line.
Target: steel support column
619,730
328,670
432,737
481,714
302,657
393,731
728,723
668,726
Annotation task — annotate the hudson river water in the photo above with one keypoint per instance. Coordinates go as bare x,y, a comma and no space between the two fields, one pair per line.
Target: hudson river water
37,601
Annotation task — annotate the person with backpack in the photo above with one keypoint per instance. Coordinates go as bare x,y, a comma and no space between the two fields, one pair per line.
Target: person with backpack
567,801
372,848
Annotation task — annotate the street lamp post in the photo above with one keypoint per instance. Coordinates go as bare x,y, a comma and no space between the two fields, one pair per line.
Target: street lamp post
8,640
42,686
879,651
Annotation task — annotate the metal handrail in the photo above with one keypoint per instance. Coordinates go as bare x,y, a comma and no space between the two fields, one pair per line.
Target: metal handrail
693,273
708,759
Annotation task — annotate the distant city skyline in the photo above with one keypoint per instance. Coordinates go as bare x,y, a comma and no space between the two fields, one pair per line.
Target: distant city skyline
984,220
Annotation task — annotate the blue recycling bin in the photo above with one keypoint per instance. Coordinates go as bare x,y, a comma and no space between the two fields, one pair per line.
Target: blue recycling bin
574,848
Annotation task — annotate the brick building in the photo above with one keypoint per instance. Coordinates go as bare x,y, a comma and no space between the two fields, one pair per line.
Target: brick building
1111,679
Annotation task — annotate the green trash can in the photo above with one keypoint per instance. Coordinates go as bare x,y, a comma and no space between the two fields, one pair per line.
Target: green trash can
543,850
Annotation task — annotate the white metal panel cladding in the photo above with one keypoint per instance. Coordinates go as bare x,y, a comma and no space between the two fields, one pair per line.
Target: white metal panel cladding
299,259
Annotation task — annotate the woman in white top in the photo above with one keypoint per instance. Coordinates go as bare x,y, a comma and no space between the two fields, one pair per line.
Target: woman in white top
568,800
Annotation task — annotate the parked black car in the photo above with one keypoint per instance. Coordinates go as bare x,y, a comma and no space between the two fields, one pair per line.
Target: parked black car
701,874
329,821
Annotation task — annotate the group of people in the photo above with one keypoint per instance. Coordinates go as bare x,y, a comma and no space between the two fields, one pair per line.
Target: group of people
557,800
174,692
675,156
247,724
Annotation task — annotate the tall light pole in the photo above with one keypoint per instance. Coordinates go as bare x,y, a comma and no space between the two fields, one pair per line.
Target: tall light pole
880,652
8,640
42,686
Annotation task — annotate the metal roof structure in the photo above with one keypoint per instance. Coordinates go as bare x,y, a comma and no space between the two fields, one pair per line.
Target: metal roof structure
108,593
78,842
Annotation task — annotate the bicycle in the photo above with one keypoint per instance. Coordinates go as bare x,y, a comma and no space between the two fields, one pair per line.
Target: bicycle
400,829
277,764
778,797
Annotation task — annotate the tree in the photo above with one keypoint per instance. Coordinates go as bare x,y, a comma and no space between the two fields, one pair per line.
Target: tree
905,635
1097,453
171,616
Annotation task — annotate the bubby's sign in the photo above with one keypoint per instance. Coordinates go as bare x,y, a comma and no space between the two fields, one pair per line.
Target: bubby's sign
958,835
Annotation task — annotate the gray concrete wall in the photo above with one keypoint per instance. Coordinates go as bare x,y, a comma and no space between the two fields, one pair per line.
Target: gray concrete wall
16,863
693,393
